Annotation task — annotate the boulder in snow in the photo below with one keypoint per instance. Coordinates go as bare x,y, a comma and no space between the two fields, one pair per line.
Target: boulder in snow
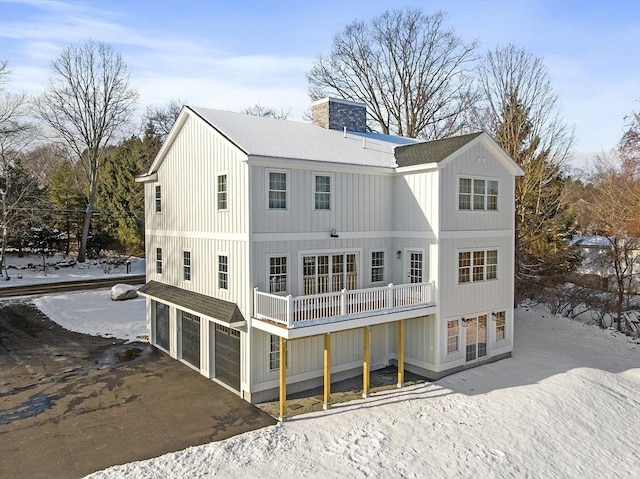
120,292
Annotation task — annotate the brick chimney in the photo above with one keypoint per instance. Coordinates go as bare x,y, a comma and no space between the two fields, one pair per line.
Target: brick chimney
335,114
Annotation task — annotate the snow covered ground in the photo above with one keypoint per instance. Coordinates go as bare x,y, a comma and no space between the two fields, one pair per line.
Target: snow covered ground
567,405
93,312
28,270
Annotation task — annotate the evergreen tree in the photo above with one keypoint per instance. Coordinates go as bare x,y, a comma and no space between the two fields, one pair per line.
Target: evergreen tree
120,198
65,194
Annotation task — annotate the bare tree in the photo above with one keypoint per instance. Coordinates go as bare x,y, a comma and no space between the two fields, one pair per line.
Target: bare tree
266,111
406,66
86,103
162,118
520,108
16,134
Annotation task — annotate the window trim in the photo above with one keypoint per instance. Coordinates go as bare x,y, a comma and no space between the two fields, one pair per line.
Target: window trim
274,353
225,273
457,336
287,273
159,263
383,267
226,191
314,191
185,266
472,195
158,199
496,317
471,267
287,174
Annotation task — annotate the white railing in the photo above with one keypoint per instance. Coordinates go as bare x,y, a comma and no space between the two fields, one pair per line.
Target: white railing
346,304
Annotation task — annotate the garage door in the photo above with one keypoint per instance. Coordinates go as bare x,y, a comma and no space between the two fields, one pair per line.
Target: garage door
162,325
227,356
190,338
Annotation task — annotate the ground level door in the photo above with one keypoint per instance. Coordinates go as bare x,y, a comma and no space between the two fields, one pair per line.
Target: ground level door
227,356
162,325
476,337
189,337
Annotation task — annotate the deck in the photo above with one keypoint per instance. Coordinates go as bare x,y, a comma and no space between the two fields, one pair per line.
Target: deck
301,311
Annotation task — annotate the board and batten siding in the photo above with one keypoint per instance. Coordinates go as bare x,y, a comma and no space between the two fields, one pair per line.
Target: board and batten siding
305,355
190,219
477,162
416,203
360,202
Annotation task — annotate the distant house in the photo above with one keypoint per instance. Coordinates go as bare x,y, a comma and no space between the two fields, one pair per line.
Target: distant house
281,255
596,251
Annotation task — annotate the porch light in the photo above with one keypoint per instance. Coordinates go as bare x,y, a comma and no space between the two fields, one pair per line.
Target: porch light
334,234
398,254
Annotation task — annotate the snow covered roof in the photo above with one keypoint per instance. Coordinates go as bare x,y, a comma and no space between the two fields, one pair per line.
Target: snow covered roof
268,137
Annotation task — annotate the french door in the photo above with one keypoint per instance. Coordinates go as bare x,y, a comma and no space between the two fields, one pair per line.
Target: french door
415,267
476,337
329,273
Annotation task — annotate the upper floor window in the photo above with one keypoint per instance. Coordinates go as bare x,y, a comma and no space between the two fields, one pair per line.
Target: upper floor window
159,260
158,199
377,266
277,274
477,194
223,272
477,265
186,265
500,326
222,192
277,190
322,192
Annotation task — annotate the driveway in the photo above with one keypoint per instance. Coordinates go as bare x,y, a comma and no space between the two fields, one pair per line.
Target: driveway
72,404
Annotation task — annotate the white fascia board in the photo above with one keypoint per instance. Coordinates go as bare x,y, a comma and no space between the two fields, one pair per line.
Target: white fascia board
300,164
492,146
417,168
337,326
148,178
171,138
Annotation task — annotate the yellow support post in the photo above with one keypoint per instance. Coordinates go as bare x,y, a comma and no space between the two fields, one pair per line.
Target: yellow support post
366,362
400,353
283,377
327,370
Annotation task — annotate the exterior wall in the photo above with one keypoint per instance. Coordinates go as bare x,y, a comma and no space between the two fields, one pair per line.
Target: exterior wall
360,202
477,162
190,220
416,205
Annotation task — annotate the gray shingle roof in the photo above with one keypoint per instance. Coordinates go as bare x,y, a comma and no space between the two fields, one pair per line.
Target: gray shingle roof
213,307
431,151
273,138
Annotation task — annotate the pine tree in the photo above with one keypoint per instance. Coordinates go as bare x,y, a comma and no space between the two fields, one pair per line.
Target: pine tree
65,194
120,198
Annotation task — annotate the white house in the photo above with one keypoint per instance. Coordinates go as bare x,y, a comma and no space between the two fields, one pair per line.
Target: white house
281,255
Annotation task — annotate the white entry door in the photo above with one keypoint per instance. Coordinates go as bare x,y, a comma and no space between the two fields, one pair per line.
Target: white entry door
415,266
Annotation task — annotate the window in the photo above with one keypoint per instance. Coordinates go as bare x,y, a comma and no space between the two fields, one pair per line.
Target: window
158,199
377,266
464,267
477,265
274,353
277,274
478,195
223,272
500,326
159,260
464,194
453,335
222,192
329,273
277,191
323,192
186,262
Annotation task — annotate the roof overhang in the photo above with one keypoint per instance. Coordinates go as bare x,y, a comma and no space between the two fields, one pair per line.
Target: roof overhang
217,310
148,178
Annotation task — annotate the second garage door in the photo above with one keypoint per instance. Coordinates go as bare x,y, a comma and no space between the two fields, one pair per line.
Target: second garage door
227,356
